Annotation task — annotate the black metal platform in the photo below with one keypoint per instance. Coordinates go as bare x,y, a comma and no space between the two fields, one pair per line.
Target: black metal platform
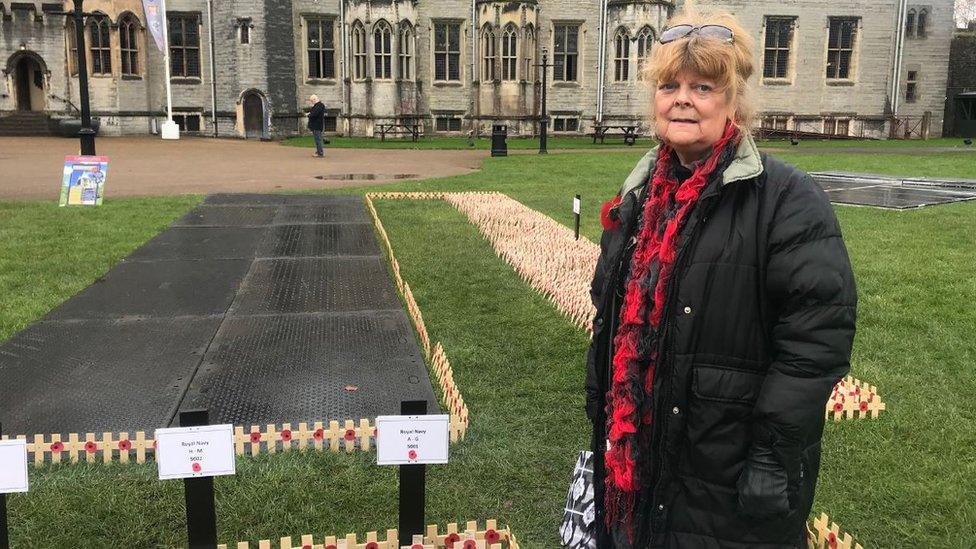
891,192
262,308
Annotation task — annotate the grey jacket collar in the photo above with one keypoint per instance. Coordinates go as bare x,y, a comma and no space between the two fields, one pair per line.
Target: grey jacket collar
746,164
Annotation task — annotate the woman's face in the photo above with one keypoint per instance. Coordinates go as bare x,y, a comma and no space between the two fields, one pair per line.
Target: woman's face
690,114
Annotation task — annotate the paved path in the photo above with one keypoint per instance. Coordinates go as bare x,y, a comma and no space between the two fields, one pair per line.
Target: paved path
812,148
261,308
146,166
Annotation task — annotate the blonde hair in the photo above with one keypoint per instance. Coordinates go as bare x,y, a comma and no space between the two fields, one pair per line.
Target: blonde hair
729,65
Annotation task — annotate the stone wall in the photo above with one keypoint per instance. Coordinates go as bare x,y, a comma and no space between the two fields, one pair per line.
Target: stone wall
927,54
962,79
272,71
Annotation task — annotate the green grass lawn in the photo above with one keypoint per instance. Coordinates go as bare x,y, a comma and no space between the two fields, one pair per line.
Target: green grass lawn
566,142
954,142
906,479
461,143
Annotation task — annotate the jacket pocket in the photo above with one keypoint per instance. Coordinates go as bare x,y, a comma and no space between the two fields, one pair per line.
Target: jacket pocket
726,385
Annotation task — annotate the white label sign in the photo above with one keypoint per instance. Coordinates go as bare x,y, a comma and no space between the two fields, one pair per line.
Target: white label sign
192,452
412,440
13,466
576,205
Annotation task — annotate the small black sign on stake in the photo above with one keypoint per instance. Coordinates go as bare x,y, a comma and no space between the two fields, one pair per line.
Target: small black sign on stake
412,485
201,514
4,534
577,207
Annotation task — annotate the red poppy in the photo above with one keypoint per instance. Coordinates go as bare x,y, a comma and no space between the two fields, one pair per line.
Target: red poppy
832,540
197,468
838,407
125,445
286,435
307,546
330,547
491,536
372,545
319,434
470,544
417,546
57,447
255,437
450,540
91,447
863,406
350,434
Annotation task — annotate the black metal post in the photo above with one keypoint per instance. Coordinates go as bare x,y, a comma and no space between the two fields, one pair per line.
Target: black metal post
201,514
4,533
544,123
579,200
213,65
412,485
86,134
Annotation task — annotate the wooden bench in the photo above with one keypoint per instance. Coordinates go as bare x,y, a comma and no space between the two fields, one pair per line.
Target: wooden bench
413,130
627,131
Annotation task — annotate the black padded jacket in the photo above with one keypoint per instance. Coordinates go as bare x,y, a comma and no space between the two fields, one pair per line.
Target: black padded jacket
757,329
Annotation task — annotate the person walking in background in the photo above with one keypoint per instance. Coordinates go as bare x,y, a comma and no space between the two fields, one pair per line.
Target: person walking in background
316,123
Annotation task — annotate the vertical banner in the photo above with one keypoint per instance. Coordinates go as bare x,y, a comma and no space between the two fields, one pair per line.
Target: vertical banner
155,10
83,180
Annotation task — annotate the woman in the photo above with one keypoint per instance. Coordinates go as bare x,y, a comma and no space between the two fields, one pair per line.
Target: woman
725,316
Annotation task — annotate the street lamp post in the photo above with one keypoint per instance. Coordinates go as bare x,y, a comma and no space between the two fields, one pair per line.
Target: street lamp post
86,134
544,120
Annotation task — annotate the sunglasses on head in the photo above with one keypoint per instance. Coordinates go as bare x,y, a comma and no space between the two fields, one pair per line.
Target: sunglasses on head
678,32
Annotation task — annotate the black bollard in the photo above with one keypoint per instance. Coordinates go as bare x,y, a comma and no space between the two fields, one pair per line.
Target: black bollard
201,514
412,485
4,533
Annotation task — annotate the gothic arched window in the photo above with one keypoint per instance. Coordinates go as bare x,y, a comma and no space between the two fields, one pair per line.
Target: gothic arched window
645,39
100,45
129,44
621,56
509,52
69,30
923,23
487,54
358,51
405,51
383,51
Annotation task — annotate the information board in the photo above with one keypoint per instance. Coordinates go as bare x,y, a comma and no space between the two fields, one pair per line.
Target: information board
13,466
192,452
412,440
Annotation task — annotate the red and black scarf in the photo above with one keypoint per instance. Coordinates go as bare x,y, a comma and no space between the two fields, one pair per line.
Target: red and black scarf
629,408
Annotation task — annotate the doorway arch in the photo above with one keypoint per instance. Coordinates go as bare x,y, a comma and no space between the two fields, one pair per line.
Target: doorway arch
254,112
29,74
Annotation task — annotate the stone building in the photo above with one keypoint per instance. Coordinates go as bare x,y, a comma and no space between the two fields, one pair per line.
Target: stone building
960,113
873,68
